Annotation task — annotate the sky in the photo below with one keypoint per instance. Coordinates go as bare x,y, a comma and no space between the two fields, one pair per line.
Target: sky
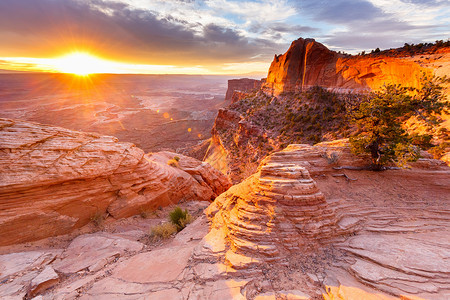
204,36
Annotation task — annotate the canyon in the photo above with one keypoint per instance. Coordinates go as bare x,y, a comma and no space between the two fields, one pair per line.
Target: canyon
154,112
305,218
305,97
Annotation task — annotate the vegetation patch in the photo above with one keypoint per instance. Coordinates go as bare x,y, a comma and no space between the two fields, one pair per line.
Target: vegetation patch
380,120
173,162
180,218
163,231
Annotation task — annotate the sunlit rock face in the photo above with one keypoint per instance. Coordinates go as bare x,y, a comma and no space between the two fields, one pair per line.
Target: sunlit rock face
308,63
53,180
241,85
274,213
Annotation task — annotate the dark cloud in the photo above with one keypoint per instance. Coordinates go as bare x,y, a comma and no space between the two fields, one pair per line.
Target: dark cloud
368,26
287,28
117,31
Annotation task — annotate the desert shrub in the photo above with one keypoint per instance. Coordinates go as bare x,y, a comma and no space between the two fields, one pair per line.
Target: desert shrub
176,158
163,231
180,218
173,163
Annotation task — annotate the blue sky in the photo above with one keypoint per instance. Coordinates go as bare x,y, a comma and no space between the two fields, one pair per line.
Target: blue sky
214,36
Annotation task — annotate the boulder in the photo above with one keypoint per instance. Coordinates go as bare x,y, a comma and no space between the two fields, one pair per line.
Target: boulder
45,280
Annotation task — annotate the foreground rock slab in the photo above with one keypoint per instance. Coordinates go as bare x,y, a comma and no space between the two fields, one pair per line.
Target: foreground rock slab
53,180
93,251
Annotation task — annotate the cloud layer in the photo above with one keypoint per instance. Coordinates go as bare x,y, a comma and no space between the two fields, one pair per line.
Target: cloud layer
212,32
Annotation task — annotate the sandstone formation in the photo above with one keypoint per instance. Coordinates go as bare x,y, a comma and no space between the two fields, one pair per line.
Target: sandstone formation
375,238
273,214
241,85
345,234
308,63
53,180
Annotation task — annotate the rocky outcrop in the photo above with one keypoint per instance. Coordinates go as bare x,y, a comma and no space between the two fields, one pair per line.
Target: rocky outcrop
363,242
308,63
241,85
53,180
211,183
274,213
234,145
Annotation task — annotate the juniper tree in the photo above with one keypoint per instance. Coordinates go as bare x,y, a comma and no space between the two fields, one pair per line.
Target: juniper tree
380,119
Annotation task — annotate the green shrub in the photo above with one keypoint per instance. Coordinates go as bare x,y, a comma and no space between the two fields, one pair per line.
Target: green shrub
180,218
176,158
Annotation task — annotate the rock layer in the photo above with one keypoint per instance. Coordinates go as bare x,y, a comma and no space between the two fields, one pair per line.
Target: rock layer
53,180
241,85
308,63
273,214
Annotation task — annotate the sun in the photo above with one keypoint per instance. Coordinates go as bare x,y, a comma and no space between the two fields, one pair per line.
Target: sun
81,63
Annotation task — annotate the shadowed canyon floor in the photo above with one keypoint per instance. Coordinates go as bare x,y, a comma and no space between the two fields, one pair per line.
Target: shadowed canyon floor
357,235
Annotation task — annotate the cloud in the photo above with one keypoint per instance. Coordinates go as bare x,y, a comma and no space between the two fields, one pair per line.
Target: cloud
367,24
117,30
341,11
266,10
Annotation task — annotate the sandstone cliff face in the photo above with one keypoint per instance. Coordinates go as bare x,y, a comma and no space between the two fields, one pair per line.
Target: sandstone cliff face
241,85
308,63
236,145
53,180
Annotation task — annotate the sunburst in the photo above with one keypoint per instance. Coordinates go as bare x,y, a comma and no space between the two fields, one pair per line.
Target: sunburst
81,63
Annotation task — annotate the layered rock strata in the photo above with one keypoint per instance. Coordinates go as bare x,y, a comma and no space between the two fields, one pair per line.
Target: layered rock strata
398,246
53,180
308,63
241,85
274,213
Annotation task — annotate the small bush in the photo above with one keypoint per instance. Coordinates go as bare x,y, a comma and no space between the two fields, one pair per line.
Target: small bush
173,163
180,218
163,231
176,158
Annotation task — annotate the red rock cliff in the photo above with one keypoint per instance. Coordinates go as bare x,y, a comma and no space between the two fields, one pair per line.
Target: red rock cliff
241,85
308,63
